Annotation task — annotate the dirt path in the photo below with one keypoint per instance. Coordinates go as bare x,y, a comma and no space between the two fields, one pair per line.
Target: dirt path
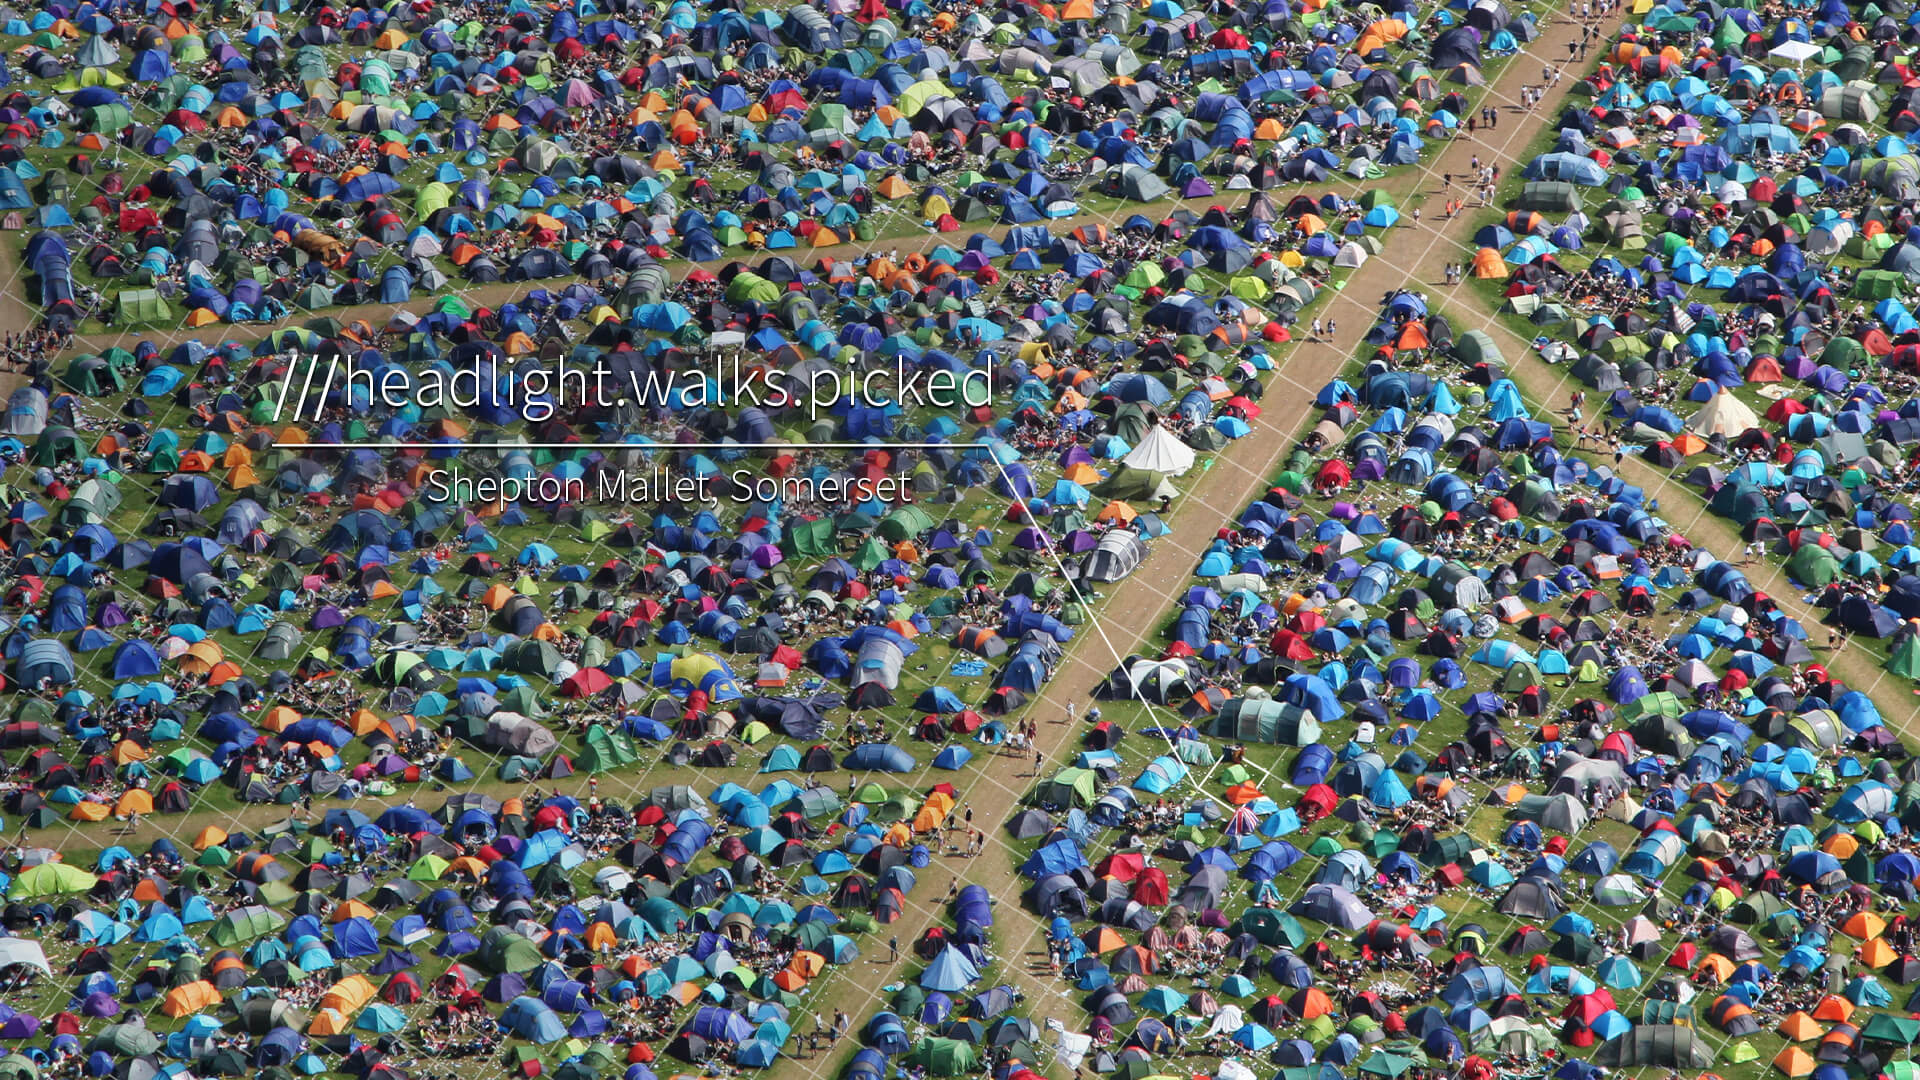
1128,619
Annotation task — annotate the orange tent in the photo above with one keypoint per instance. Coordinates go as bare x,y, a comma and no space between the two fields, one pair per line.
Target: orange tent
789,980
1312,1003
467,864
133,801
201,656
349,995
1719,966
1794,1061
352,909
127,750
1800,1027
189,998
329,1022
1104,940
1864,924
209,837
1244,793
1833,1007
1117,513
1487,264
894,187
279,718
1877,953
87,811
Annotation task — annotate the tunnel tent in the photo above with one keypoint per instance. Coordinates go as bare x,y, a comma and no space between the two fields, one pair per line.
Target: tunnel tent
1853,102
1117,555
1548,197
1665,1045
142,306
1266,720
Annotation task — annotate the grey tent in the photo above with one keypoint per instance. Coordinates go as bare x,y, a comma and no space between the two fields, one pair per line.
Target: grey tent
1530,898
520,734
1626,228
1548,197
1333,905
1666,1045
1555,813
1856,102
1118,554
675,797
880,661
1134,182
26,412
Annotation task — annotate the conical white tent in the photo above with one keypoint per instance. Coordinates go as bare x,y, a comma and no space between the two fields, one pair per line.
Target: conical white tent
1723,414
1160,452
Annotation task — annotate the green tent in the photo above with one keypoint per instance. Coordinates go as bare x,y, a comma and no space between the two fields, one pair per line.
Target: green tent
57,444
50,879
1069,787
811,538
502,950
905,523
1477,346
1130,483
107,119
943,1057
1814,566
94,375
1270,927
244,924
751,286
141,306
1886,1027
1386,1065
606,749
1905,658
1548,197
1266,720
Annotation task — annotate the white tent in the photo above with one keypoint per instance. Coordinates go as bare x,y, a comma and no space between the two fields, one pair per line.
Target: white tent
1160,452
19,951
1723,414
